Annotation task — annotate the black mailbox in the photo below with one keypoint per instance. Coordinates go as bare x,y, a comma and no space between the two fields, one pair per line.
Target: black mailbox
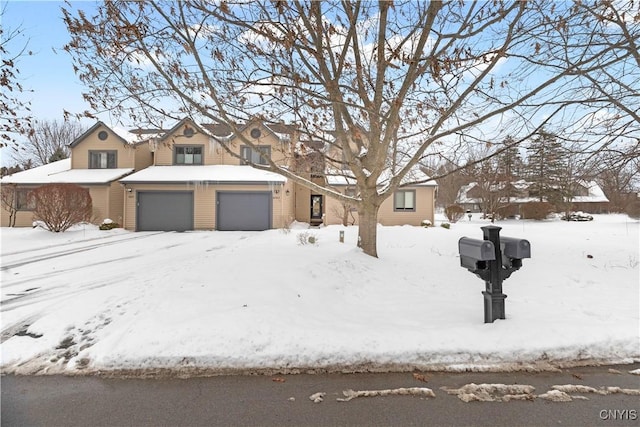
515,248
475,253
493,259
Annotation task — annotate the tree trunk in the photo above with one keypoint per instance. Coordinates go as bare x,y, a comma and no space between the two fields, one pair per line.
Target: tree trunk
368,228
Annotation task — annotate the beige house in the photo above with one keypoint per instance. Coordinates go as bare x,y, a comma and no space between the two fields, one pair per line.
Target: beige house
99,158
409,205
184,179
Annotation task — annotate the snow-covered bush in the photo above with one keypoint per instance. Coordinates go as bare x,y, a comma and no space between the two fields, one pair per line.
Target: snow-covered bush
108,224
306,237
445,225
426,223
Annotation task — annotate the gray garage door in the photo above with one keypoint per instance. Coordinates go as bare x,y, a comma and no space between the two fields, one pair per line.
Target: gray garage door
243,210
165,211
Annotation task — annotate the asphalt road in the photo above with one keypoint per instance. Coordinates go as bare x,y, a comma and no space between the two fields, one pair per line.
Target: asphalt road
284,400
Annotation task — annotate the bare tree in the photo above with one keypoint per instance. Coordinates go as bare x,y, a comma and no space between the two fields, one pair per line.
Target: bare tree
15,113
387,81
48,142
606,99
618,176
8,198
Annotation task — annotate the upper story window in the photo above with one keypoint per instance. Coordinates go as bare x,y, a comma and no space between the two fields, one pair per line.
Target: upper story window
253,156
103,159
404,200
23,201
188,154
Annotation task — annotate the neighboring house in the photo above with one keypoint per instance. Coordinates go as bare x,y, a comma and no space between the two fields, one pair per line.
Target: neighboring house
586,196
99,158
409,205
184,179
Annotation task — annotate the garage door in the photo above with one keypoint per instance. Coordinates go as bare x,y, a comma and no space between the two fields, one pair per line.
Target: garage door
243,210
165,211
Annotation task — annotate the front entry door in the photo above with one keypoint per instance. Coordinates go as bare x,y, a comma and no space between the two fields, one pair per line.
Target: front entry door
316,208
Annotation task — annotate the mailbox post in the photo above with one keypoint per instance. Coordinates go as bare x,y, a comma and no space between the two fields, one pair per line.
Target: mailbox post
493,259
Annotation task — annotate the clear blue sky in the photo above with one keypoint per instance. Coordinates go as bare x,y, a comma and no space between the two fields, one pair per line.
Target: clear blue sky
48,73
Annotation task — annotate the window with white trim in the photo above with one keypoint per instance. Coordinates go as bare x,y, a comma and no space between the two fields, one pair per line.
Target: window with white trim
404,201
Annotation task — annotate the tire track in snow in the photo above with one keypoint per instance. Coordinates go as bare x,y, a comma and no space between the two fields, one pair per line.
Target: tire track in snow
63,253
50,274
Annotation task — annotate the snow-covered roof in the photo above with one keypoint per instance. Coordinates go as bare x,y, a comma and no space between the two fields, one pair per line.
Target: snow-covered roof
130,137
61,172
415,175
595,193
225,174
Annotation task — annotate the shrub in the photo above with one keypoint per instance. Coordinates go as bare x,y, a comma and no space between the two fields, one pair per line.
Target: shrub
454,212
60,206
508,211
536,210
445,225
307,238
108,224
633,210
426,223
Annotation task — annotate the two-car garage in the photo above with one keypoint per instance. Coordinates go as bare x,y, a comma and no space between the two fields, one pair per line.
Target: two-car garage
174,210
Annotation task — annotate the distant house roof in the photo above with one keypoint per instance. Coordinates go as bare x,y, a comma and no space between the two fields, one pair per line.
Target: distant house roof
595,193
61,172
216,174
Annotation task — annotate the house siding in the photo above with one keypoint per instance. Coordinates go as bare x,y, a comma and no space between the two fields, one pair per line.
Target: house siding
80,153
100,202
116,202
425,197
143,156
212,153
424,209
280,151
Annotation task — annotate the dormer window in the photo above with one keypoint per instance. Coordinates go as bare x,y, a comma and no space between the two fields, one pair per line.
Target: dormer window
103,159
257,156
188,154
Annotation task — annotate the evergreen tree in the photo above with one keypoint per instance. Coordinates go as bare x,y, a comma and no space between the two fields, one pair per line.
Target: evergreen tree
59,154
546,164
509,162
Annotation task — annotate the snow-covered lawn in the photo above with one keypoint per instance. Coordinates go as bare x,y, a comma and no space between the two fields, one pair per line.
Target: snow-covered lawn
205,302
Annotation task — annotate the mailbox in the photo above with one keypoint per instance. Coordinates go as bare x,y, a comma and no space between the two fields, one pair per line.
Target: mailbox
474,253
493,260
515,248
481,250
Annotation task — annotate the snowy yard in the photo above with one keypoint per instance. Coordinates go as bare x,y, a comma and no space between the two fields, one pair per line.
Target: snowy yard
205,302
